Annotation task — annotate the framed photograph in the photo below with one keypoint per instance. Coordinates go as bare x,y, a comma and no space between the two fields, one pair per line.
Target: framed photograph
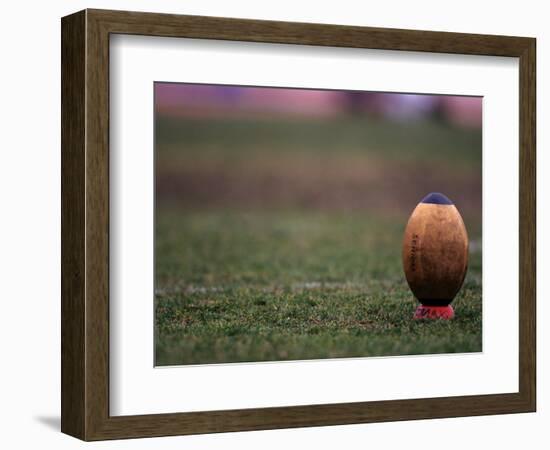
272,225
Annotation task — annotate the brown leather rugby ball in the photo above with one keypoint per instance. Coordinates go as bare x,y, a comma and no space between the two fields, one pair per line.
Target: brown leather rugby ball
435,251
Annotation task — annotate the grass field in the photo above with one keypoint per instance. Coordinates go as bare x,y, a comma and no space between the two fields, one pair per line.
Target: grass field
302,273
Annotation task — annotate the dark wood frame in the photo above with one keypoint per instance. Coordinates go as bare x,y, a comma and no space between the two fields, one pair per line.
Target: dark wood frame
85,224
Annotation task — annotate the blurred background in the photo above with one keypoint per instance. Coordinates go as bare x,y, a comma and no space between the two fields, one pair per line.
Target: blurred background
280,214
271,147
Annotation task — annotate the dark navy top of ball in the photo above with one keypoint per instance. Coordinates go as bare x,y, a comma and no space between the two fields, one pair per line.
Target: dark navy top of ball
437,199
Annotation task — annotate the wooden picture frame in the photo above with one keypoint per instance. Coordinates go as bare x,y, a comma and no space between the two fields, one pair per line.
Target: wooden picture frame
85,224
